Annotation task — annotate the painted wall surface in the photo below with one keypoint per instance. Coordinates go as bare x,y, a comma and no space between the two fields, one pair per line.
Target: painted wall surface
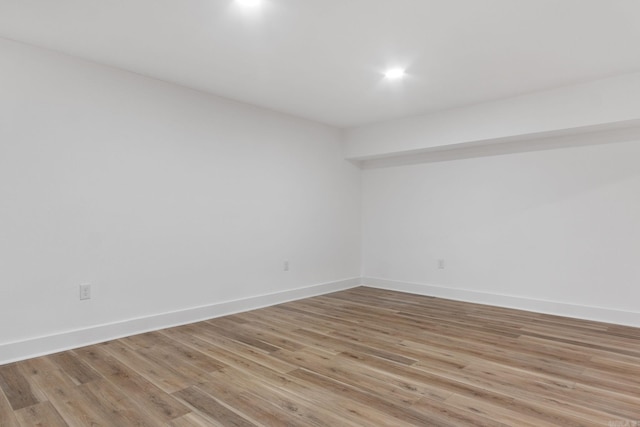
559,225
165,199
607,102
162,198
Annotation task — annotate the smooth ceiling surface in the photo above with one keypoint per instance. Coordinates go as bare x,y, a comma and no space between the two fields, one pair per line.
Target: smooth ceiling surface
323,59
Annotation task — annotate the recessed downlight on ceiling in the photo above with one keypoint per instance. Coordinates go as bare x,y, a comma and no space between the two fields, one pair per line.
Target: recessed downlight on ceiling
394,73
249,3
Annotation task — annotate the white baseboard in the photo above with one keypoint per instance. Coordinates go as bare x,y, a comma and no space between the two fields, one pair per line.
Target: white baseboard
40,346
630,318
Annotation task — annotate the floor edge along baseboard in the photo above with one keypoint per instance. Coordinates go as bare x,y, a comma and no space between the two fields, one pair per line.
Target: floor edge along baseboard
598,314
54,343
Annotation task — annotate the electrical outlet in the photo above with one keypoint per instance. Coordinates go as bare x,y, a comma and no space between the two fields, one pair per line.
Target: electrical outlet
285,266
440,264
85,291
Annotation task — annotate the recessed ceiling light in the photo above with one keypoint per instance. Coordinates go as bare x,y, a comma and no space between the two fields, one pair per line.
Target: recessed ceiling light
394,73
249,3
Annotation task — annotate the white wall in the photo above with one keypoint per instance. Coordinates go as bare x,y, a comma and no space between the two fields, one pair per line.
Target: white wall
170,201
161,197
601,104
555,231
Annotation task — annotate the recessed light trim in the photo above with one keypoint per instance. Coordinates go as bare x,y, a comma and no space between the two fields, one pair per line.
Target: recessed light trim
395,73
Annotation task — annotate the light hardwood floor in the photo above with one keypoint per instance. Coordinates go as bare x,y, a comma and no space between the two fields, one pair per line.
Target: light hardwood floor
353,358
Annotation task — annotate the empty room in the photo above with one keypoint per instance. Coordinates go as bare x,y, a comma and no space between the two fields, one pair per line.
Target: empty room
319,213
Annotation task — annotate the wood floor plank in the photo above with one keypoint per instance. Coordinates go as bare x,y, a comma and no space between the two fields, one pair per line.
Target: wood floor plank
70,400
237,395
345,391
75,368
212,408
16,388
358,357
486,410
620,406
163,377
458,416
235,333
41,414
238,360
293,408
354,374
170,359
213,349
532,393
194,420
38,365
260,402
114,405
171,350
152,402
7,415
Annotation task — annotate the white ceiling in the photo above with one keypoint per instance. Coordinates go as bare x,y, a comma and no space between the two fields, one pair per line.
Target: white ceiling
323,59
